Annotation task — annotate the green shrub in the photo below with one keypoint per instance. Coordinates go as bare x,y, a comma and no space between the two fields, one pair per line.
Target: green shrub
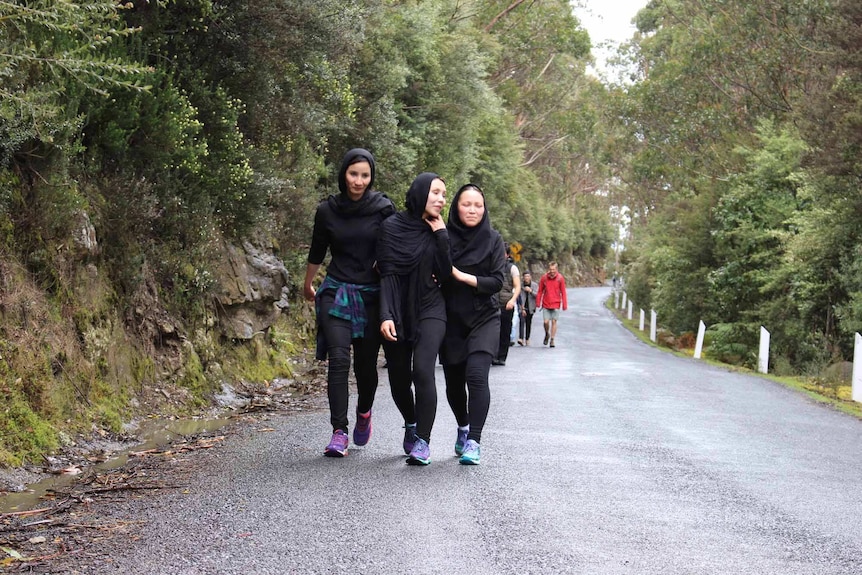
733,343
26,436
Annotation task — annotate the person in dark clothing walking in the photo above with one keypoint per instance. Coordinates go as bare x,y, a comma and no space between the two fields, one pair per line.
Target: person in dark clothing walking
413,255
348,301
508,298
527,305
473,317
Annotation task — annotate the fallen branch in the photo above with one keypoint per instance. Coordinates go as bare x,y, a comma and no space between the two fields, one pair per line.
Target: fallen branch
127,487
119,525
25,513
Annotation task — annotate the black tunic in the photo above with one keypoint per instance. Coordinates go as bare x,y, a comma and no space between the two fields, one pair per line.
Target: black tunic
414,261
395,293
473,313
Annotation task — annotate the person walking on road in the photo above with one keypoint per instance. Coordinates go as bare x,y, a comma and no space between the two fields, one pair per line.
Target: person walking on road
508,298
527,306
347,303
551,296
413,255
473,317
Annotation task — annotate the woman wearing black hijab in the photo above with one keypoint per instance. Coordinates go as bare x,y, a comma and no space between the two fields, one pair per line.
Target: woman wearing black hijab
413,255
473,316
348,301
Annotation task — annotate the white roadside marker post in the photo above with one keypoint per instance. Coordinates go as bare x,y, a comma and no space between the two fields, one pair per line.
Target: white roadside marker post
652,327
763,355
698,347
857,369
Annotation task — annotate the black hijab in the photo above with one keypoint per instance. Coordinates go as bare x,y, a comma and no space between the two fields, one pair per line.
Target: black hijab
371,201
469,246
406,235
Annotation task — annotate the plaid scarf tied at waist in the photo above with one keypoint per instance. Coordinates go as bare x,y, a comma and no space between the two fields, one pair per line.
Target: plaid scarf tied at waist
348,303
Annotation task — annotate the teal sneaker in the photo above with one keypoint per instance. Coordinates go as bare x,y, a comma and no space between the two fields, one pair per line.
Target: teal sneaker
461,440
471,453
420,454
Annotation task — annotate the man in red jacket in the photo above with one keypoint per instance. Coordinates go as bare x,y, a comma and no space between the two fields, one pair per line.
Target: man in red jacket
551,295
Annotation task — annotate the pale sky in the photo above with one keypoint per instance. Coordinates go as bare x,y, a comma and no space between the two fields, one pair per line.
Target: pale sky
608,21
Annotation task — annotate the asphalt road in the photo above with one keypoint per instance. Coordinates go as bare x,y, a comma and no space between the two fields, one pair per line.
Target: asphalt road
600,456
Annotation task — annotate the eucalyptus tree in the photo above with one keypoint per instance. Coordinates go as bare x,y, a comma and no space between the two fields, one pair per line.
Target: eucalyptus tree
422,94
539,72
708,70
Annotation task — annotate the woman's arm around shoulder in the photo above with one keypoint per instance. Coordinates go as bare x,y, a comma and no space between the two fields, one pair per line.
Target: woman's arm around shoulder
496,266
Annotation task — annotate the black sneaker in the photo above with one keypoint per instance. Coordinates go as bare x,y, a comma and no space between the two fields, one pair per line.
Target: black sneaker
545,341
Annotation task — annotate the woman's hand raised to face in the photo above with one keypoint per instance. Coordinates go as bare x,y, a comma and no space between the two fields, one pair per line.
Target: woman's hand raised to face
436,223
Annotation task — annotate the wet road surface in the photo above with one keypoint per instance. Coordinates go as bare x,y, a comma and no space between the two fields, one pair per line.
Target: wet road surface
600,456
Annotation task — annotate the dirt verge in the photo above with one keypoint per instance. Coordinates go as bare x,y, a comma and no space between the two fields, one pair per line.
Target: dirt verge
65,530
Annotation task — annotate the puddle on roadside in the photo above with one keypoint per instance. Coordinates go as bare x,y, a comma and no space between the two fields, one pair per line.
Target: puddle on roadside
155,434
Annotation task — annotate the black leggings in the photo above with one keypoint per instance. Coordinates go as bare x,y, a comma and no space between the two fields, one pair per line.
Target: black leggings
525,325
365,350
415,364
470,379
506,316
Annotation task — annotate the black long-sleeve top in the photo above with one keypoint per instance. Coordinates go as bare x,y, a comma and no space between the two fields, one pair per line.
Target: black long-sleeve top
469,305
351,238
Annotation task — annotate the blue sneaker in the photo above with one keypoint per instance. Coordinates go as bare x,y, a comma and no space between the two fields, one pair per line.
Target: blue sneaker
461,440
420,454
362,431
471,453
337,445
409,437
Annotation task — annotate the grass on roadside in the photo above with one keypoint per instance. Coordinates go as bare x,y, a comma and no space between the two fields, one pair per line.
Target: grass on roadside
836,396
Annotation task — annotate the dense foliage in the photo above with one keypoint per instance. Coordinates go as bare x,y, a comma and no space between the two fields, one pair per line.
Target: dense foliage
740,125
248,106
168,125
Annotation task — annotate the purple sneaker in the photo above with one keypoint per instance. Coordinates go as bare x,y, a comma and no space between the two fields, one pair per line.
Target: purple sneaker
461,441
362,431
409,437
337,445
420,454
